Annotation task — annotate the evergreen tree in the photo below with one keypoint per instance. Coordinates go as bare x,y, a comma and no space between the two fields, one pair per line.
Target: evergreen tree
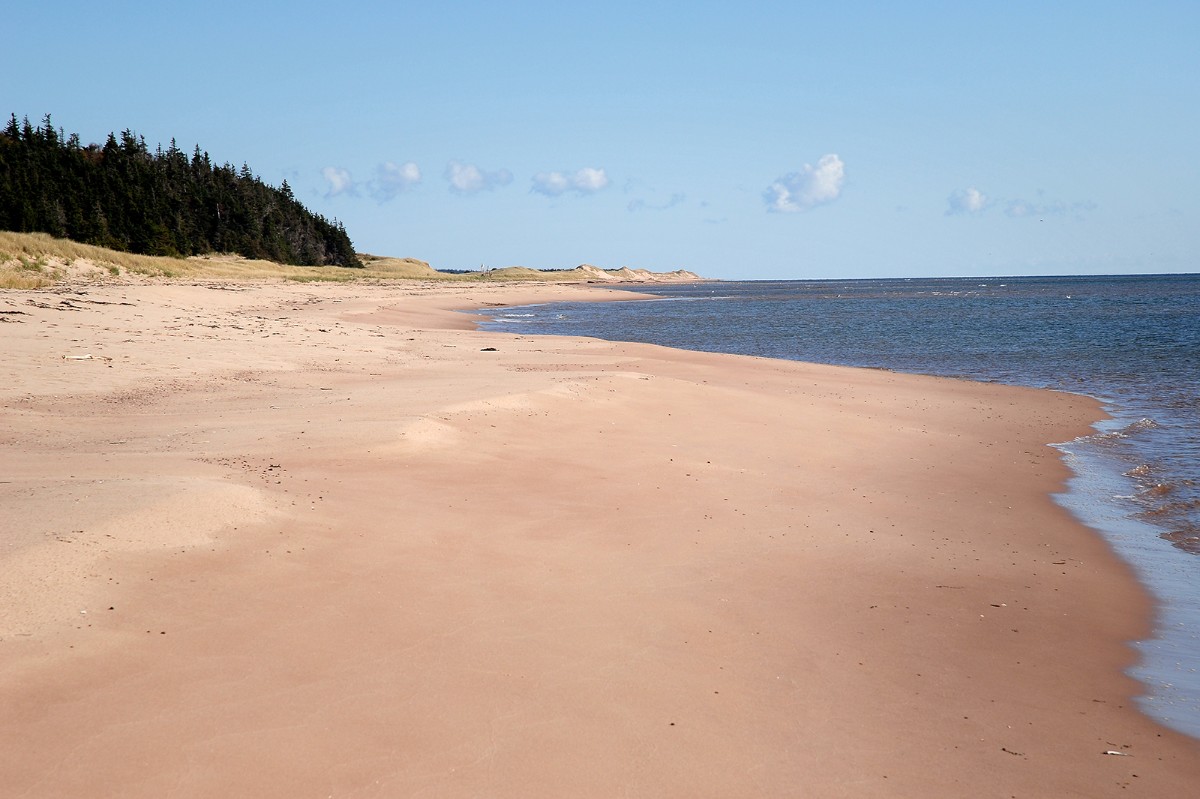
125,197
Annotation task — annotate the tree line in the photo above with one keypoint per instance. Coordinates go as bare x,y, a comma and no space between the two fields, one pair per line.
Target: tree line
125,197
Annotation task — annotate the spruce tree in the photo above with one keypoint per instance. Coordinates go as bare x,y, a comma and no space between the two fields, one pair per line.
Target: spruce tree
123,196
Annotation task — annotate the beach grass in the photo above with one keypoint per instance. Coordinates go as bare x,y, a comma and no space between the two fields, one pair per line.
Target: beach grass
38,260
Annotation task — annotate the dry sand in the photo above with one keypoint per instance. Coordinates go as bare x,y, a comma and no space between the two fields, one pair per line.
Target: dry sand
314,540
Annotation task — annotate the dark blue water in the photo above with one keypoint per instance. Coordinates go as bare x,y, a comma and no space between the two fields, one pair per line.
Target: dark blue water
1131,341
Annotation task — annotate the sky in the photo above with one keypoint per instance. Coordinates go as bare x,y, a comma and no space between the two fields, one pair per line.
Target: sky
738,140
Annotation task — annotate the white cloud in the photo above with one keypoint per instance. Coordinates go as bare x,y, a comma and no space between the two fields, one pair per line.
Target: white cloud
339,180
550,183
469,179
966,201
392,178
588,180
808,188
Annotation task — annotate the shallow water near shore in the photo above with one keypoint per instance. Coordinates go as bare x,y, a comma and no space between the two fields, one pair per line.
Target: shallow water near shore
1132,342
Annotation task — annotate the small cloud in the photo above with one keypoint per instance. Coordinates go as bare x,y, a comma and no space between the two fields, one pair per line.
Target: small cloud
972,201
808,188
551,184
469,179
642,205
339,181
392,178
966,201
1018,209
588,180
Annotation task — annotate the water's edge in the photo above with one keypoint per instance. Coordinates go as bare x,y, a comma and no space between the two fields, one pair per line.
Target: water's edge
1169,664
1169,660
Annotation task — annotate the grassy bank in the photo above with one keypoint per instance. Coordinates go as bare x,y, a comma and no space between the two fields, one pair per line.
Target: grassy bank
36,260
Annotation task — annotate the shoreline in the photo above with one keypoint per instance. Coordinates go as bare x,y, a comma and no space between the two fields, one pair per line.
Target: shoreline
473,562
1167,662
1165,666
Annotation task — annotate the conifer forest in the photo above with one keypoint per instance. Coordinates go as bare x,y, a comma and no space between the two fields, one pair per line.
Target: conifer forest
123,196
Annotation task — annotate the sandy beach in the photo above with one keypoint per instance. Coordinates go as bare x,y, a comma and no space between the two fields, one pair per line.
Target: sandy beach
310,540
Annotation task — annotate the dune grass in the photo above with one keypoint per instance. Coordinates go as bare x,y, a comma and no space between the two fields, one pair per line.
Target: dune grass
37,260
27,273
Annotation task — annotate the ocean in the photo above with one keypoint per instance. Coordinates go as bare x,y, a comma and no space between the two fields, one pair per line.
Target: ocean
1132,342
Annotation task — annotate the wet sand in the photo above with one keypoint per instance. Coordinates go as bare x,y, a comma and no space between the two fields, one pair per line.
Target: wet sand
319,540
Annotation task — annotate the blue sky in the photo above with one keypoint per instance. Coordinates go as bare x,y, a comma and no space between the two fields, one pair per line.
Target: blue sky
762,140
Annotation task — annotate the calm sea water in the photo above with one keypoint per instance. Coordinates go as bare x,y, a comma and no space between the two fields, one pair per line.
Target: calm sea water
1131,341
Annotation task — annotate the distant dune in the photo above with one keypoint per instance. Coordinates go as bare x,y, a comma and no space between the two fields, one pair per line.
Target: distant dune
627,275
411,267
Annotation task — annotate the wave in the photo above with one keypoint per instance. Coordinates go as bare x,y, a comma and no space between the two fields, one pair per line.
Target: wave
1131,429
1186,538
